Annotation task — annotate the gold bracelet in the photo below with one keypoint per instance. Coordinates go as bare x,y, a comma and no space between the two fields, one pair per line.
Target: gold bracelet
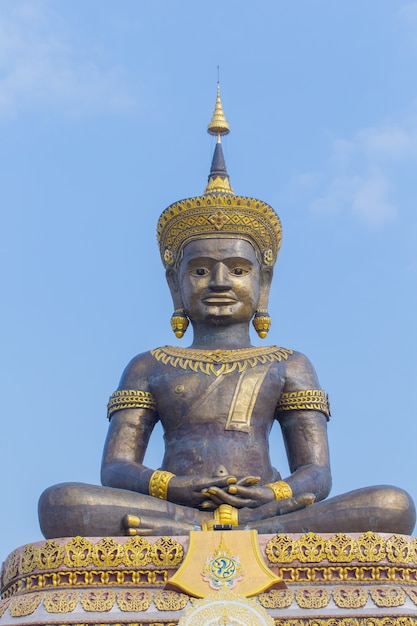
281,489
158,484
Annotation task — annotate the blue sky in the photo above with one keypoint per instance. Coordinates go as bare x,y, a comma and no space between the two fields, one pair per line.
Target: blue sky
103,114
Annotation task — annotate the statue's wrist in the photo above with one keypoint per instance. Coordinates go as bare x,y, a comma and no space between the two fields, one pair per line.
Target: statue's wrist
158,484
280,489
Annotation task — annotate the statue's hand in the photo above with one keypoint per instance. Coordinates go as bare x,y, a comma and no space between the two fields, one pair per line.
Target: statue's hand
276,508
193,490
243,493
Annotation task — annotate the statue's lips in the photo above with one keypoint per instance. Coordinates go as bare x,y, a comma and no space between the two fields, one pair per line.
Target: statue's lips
219,301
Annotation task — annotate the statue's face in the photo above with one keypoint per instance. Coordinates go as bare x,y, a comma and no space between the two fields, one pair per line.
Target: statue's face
219,280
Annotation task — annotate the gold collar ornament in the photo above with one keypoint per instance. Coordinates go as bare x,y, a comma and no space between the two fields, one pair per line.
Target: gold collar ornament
219,361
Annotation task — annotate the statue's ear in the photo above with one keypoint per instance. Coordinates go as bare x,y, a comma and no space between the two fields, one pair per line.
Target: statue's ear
174,287
265,284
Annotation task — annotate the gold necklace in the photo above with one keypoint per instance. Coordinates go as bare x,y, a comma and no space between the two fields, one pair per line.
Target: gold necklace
219,361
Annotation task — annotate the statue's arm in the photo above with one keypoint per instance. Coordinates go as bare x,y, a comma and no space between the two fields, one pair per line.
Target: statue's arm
305,433
126,443
132,414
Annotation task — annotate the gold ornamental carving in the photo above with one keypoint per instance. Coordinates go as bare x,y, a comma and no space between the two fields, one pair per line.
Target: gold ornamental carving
367,548
10,568
135,600
387,596
350,597
29,559
399,550
412,594
61,601
282,549
78,552
98,601
137,552
276,598
166,600
3,606
312,548
312,598
371,547
50,555
25,605
167,552
341,549
107,552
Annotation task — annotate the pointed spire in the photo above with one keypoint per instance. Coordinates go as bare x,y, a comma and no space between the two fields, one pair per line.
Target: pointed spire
218,180
218,124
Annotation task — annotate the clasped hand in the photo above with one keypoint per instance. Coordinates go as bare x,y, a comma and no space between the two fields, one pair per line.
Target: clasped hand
209,493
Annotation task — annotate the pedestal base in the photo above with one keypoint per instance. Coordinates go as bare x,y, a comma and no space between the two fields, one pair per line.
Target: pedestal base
353,580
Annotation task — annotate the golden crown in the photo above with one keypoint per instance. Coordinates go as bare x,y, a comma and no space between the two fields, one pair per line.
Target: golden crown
219,213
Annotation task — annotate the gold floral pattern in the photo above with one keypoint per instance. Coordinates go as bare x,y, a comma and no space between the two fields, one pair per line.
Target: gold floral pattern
135,600
166,600
276,598
350,597
98,601
25,605
387,596
61,601
312,598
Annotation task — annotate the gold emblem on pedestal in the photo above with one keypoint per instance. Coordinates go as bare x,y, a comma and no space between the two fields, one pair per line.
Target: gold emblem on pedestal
222,569
218,560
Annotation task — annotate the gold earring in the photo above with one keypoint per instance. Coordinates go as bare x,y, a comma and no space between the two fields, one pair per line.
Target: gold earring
179,323
262,322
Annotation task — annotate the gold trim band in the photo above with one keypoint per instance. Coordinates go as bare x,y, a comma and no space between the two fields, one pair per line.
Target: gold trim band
130,399
158,484
313,399
281,489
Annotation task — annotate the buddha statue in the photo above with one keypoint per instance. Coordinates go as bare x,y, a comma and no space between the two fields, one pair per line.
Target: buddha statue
218,400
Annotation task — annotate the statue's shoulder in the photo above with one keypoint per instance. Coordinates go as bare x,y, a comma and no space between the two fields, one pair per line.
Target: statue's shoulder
300,373
137,371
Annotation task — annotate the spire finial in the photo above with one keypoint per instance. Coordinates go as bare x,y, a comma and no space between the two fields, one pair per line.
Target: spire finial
218,124
218,180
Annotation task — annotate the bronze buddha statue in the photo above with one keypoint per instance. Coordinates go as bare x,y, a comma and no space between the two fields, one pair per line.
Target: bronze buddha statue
218,399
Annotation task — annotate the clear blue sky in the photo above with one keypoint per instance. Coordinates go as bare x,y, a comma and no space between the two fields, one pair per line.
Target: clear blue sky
103,114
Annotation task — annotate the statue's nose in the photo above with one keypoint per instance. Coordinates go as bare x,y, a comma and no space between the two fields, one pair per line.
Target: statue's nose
220,277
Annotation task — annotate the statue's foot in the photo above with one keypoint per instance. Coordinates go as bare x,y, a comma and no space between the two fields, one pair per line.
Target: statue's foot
146,526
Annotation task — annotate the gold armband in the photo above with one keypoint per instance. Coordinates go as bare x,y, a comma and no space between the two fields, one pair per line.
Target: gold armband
281,489
158,484
313,399
130,399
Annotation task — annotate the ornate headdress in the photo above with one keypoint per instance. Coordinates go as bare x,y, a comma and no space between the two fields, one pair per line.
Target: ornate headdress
219,212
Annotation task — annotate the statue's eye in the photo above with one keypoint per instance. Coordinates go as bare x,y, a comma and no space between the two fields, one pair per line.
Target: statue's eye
239,271
200,271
